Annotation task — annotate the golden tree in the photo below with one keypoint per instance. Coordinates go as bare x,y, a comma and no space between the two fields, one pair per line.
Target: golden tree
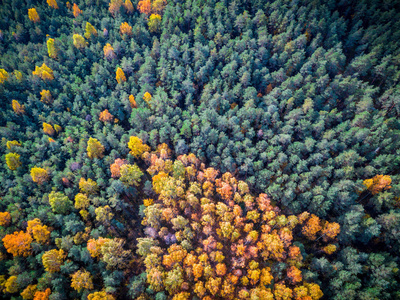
75,10
137,147
38,231
12,144
125,28
147,97
48,129
44,72
94,246
132,101
3,76
312,226
102,295
105,116
154,23
33,15
18,108
81,280
46,97
39,175
51,49
120,76
109,53
94,149
53,259
81,201
5,218
18,243
52,3
144,6
88,186
90,30
79,41
39,295
158,6
12,161
128,6
115,168
11,285
114,7
29,292
378,183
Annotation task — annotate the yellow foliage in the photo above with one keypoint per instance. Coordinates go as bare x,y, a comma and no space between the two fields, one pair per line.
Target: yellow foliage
109,52
120,76
81,280
52,3
114,7
132,101
52,260
128,6
11,144
44,72
378,183
39,175
154,23
46,97
147,97
90,30
75,10
100,296
51,49
125,28
33,15
11,285
94,246
79,41
81,201
5,218
88,186
12,161
39,232
48,129
18,108
94,149
3,75
17,74
29,292
137,147
58,128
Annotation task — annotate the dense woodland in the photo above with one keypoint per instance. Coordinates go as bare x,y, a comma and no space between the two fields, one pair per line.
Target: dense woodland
199,149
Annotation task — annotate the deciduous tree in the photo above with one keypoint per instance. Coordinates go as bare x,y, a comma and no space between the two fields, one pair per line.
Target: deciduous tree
94,148
53,259
39,175
81,280
18,243
33,15
12,161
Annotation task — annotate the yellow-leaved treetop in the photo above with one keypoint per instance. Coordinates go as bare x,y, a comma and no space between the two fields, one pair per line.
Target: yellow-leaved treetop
12,144
79,41
39,175
125,28
33,15
137,147
154,23
18,108
128,6
378,183
39,232
94,148
147,97
75,10
90,30
5,218
102,295
52,260
51,48
52,3
11,285
48,129
81,280
44,72
12,161
18,75
3,75
88,186
114,7
132,101
29,292
120,76
109,53
46,97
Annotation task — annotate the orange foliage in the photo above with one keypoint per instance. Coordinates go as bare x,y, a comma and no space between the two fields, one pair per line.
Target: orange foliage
5,218
39,232
116,167
312,226
330,231
105,116
33,15
75,10
144,6
18,243
120,76
94,246
114,7
125,28
132,101
378,183
52,3
42,295
294,275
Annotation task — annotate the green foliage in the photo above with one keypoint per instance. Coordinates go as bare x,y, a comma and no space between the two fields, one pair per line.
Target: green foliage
60,203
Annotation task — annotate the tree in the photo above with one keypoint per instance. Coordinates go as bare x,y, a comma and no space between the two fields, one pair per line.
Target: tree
144,6
79,41
39,295
52,3
59,203
114,255
44,72
18,108
88,186
120,76
105,116
154,23
29,292
102,295
11,285
378,183
81,280
3,76
147,97
18,243
51,49
46,97
33,15
137,147
5,218
53,259
115,168
94,149
109,53
90,30
311,227
12,161
125,28
48,129
128,6
94,246
158,6
39,175
75,10
38,231
81,201
132,101
130,175
294,275
114,7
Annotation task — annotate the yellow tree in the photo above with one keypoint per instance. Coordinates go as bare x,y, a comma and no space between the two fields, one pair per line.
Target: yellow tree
29,292
90,30
378,183
128,6
75,10
18,108
114,7
44,72
5,218
33,15
79,41
137,147
102,295
94,149
154,23
18,243
12,161
51,49
39,232
11,285
109,53
81,280
125,28
48,129
81,201
147,97
3,75
52,260
132,101
39,175
46,97
88,186
120,76
52,3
